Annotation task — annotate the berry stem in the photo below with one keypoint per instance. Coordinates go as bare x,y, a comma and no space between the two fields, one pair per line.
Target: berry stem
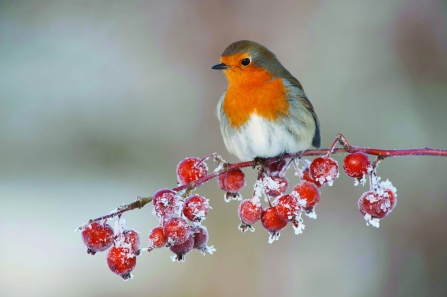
347,148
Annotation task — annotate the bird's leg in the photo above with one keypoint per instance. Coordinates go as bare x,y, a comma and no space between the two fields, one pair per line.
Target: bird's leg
261,163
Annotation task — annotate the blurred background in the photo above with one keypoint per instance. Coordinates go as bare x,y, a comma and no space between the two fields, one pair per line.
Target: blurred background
99,101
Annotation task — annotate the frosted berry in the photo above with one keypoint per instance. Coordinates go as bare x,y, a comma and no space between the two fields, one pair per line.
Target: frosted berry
307,177
121,261
200,237
232,181
191,169
374,204
182,249
308,193
288,208
276,168
129,239
176,231
157,239
196,208
272,223
166,203
324,169
97,237
356,165
249,212
275,186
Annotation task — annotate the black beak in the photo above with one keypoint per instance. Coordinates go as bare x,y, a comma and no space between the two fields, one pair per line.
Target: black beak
220,66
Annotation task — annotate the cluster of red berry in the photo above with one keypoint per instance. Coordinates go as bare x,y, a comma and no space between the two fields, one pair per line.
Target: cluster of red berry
175,208
285,207
380,200
173,232
121,258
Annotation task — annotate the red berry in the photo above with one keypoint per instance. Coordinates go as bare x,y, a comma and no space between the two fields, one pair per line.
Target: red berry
307,177
288,208
182,249
276,168
275,186
196,208
129,239
166,203
308,192
232,181
157,239
121,261
191,169
373,204
272,223
97,237
324,169
249,212
200,237
356,165
392,198
176,231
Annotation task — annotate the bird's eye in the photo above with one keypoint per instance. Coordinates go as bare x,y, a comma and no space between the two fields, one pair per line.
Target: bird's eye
245,61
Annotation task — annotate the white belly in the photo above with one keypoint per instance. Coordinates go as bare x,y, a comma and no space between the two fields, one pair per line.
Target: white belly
264,138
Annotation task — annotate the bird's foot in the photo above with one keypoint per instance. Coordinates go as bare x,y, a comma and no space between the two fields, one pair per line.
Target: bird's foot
261,163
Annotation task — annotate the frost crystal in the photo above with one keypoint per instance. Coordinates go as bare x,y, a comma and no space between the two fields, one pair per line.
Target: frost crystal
312,214
273,236
299,229
387,185
219,167
244,227
256,201
120,226
257,192
372,221
271,184
208,250
361,181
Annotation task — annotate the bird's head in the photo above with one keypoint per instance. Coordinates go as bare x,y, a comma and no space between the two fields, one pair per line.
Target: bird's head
246,61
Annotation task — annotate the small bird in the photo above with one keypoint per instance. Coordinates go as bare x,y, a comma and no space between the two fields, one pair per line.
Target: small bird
264,111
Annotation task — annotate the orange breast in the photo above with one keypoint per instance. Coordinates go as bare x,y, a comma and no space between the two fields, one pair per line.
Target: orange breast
253,90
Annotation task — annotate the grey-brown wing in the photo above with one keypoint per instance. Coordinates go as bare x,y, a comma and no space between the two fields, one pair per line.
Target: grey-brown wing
304,101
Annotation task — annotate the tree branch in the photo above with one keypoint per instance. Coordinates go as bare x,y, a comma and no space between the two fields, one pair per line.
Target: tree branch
381,153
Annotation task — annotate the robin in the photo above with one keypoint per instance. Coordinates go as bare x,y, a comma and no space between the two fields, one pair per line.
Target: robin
264,111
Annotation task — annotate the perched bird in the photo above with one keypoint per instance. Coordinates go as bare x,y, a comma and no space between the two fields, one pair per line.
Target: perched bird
264,111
